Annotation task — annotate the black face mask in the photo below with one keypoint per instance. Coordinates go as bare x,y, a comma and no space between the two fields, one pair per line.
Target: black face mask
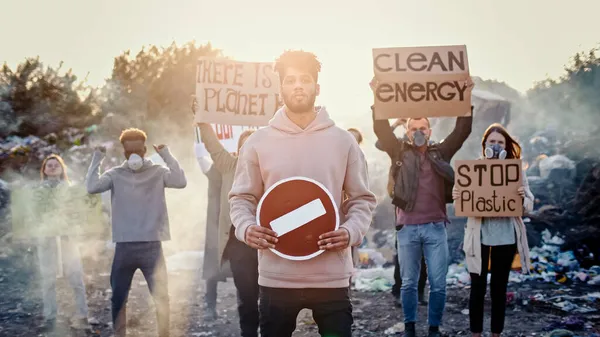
419,138
495,152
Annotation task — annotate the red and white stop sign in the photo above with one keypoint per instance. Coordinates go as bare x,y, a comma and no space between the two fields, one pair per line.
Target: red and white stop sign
299,210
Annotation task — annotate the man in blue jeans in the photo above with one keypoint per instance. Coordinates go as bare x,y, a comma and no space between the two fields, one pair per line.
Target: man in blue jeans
423,181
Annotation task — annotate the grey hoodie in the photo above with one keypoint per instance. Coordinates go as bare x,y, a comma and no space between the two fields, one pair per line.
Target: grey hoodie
139,208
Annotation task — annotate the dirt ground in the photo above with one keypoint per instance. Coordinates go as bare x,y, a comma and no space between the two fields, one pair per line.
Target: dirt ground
20,307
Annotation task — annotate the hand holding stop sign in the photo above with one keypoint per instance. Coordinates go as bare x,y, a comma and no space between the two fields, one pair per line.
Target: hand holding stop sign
336,240
259,237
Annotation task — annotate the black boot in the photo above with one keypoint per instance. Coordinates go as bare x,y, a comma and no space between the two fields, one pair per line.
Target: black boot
434,331
410,330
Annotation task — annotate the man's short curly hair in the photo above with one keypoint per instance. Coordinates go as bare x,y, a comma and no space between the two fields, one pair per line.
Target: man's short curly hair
298,59
132,134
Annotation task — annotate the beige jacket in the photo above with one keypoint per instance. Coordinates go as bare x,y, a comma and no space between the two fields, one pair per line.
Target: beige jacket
225,163
472,240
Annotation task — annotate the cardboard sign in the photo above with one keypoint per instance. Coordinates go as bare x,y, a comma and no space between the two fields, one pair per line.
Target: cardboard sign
421,82
489,188
299,210
228,135
64,210
236,93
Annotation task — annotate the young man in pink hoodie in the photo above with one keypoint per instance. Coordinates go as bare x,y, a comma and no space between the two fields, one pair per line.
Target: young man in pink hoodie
302,140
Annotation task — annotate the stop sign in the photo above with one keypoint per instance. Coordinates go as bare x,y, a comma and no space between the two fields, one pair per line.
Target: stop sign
299,210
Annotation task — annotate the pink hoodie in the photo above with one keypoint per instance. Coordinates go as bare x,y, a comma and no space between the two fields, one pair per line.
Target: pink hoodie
323,152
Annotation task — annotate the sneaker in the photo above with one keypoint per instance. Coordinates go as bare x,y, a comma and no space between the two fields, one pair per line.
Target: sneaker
81,324
210,314
410,330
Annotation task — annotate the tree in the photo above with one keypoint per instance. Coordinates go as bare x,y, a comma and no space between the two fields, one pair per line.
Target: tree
37,100
572,102
154,87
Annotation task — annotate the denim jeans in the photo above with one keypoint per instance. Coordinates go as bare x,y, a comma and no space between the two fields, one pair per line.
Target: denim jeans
47,251
331,308
431,239
148,257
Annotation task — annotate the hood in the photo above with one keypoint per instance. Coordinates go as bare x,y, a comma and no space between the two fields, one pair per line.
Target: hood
147,164
282,122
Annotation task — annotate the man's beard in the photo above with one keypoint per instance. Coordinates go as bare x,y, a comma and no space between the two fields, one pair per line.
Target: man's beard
307,105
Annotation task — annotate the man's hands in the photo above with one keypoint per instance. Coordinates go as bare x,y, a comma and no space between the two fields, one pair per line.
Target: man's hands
259,237
101,149
157,148
336,240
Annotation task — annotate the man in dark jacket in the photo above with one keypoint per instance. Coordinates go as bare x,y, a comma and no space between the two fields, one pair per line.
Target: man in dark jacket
422,185
423,274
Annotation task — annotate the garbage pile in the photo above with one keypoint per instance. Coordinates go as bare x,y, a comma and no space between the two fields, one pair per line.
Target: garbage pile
550,265
24,155
378,249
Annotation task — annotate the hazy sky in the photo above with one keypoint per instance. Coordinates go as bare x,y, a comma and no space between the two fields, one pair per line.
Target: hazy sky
516,41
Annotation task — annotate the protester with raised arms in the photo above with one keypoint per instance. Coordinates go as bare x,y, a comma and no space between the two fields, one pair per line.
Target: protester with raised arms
243,259
423,181
212,270
396,288
54,174
502,236
302,140
139,222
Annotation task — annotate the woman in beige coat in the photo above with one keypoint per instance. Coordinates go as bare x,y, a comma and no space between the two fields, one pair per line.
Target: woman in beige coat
496,239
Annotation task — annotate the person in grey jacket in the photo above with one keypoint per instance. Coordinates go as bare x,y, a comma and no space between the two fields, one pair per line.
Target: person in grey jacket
139,221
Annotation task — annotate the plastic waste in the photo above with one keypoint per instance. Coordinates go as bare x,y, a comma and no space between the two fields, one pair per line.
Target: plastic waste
396,329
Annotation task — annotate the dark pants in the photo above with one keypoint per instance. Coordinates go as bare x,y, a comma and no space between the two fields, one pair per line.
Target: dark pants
148,257
398,280
244,267
501,260
279,310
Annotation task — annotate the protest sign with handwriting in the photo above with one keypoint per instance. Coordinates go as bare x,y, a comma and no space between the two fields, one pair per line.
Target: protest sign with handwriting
488,188
421,82
236,93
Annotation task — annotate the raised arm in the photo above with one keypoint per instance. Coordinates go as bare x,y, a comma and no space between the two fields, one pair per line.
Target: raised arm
174,176
386,139
224,161
462,129
94,182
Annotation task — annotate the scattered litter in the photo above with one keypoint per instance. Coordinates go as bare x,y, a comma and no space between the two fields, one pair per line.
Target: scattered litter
375,279
569,323
398,328
465,311
561,333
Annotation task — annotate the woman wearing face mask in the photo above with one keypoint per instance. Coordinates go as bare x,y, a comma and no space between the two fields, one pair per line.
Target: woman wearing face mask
54,174
495,240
